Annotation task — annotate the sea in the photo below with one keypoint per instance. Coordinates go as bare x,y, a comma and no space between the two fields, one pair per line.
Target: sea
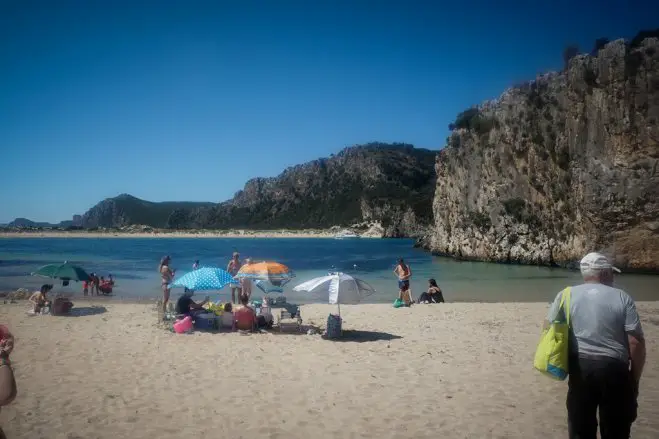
133,262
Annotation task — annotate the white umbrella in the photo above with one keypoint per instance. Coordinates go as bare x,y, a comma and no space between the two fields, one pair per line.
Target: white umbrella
339,287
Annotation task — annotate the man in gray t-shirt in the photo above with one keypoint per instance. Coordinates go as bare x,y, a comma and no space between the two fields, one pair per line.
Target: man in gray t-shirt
607,353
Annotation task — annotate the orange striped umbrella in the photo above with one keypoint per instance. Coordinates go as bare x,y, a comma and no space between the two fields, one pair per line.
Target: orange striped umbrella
271,271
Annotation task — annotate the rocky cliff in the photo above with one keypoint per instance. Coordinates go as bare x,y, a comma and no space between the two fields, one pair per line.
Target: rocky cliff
558,167
390,184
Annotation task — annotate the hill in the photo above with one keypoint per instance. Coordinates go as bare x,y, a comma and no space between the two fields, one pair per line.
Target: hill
125,210
388,183
26,223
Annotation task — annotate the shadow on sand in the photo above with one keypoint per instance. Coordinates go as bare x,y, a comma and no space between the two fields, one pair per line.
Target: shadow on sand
85,311
352,335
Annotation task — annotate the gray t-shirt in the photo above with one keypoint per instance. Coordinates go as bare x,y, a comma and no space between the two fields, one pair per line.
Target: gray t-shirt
600,318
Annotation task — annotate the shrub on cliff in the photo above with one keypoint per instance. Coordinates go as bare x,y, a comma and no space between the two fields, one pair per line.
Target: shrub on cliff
473,120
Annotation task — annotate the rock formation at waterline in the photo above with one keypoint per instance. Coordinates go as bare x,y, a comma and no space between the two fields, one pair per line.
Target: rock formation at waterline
558,167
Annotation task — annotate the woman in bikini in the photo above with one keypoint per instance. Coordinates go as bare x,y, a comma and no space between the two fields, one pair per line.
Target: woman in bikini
166,276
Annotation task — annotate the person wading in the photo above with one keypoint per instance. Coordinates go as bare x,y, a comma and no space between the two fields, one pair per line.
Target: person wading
607,353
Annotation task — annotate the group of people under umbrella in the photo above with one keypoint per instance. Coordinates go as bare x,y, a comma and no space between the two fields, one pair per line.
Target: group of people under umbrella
270,277
66,272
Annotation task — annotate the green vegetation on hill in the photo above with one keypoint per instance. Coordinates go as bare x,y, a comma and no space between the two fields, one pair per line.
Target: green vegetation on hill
379,182
126,210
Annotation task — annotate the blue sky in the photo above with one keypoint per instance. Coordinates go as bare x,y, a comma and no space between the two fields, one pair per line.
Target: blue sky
186,100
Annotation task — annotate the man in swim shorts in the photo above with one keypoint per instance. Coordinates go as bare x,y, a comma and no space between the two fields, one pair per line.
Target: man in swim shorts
403,272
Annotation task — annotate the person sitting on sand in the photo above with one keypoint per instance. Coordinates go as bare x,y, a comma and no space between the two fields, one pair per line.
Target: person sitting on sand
226,320
433,295
245,317
39,299
185,304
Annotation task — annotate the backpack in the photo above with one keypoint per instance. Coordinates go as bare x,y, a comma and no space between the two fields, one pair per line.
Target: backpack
551,355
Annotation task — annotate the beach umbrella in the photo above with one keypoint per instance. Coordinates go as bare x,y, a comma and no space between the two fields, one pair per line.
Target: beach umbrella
204,279
340,288
267,287
65,271
273,272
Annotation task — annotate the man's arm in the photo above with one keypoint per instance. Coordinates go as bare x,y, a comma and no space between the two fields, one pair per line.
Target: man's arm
637,355
635,338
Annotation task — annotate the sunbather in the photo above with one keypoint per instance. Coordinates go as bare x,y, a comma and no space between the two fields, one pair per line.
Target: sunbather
433,295
245,317
39,299
185,304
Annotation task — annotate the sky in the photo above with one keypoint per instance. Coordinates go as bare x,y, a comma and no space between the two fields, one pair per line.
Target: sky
187,100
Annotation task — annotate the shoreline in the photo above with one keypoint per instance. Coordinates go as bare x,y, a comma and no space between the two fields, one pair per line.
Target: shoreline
261,234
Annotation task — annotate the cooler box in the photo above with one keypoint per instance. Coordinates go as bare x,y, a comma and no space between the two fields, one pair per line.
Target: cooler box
205,321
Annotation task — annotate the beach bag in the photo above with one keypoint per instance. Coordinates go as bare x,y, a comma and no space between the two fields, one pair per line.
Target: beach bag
334,326
398,303
551,355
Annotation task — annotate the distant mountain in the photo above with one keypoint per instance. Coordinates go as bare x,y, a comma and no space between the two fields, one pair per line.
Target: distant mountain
125,210
389,183
26,223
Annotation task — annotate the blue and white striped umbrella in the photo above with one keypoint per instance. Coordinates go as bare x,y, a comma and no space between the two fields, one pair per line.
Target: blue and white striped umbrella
204,279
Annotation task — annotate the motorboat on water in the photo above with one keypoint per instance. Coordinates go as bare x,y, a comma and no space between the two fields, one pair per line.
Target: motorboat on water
346,234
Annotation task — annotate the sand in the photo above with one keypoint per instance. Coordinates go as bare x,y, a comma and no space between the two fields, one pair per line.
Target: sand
458,370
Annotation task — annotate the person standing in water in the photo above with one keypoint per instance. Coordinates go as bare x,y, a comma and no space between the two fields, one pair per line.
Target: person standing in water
196,264
233,268
403,272
166,277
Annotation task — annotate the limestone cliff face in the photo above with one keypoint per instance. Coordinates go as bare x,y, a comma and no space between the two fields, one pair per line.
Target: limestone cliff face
558,167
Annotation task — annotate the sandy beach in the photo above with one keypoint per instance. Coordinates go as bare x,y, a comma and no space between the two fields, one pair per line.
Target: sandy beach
451,371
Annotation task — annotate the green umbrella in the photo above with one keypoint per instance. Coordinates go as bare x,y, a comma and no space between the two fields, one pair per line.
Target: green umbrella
63,271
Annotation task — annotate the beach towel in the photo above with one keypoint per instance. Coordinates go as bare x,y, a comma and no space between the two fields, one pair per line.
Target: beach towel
551,355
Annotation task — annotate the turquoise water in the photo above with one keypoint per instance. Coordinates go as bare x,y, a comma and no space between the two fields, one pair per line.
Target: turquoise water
134,263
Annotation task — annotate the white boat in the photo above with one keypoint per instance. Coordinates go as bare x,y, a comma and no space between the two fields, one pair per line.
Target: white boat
346,234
